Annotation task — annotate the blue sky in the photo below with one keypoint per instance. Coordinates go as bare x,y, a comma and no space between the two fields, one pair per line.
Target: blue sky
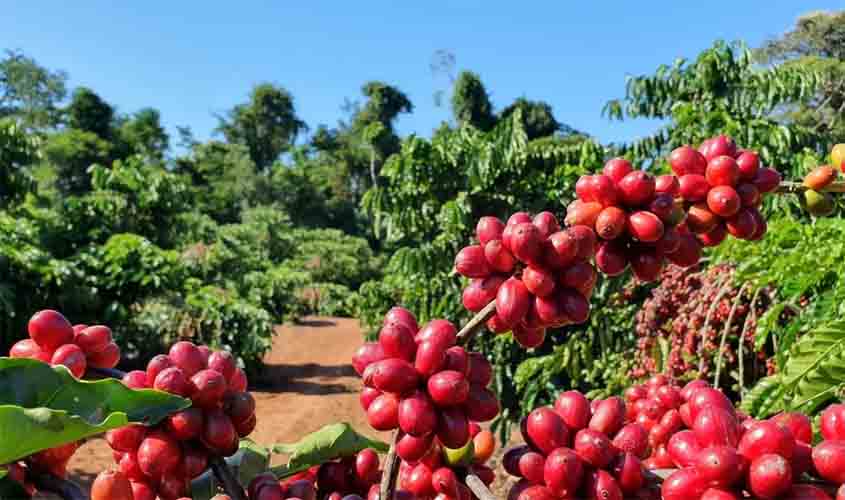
191,59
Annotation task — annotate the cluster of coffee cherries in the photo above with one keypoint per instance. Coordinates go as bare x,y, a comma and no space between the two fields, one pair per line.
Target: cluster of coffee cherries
419,381
442,472
607,448
349,478
722,187
539,275
570,453
161,460
53,340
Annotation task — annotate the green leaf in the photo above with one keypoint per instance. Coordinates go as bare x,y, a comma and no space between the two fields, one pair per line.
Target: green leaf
50,407
815,368
251,460
330,442
765,398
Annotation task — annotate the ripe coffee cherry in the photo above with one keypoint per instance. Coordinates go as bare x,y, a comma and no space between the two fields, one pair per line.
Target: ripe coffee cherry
383,412
158,454
223,362
686,160
693,187
645,226
683,484
833,423
769,476
109,357
829,460
617,168
700,219
136,379
561,250
471,262
608,416
173,380
50,330
72,357
563,471
722,171
538,281
611,258
529,338
512,301
127,438
239,405
766,437
218,433
186,424
547,223
545,431
157,364
593,448
488,229
448,388
720,466
723,201
397,341
27,348
721,145
93,339
391,375
187,357
411,449
748,163
667,184
452,427
749,195
498,257
743,225
636,188
766,180
481,404
417,415
610,223
526,242
208,388
111,485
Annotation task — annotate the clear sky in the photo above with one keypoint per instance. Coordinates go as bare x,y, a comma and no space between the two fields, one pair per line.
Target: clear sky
191,59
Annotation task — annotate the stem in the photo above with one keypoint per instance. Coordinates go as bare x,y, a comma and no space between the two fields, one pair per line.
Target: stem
106,372
224,475
725,284
725,334
477,486
468,331
752,315
391,471
797,187
67,490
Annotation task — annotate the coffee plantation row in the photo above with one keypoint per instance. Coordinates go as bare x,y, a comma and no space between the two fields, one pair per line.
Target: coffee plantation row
174,425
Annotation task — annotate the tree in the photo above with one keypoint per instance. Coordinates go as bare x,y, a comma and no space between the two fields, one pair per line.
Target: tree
87,111
143,134
373,123
817,43
223,177
537,117
29,91
72,152
470,102
267,125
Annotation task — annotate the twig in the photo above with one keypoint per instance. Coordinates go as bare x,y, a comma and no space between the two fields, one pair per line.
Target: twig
725,334
477,486
106,372
752,315
797,187
391,471
67,490
224,475
468,331
725,284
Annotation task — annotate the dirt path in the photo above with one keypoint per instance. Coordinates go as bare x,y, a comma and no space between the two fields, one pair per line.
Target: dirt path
309,383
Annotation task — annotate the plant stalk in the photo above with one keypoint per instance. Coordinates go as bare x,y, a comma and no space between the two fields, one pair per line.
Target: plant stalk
224,474
391,470
477,486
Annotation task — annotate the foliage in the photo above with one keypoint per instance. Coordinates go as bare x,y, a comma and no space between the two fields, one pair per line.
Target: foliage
816,42
88,112
51,407
806,262
29,91
267,125
470,102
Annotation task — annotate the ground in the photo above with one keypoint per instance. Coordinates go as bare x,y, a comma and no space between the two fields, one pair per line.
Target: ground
309,382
